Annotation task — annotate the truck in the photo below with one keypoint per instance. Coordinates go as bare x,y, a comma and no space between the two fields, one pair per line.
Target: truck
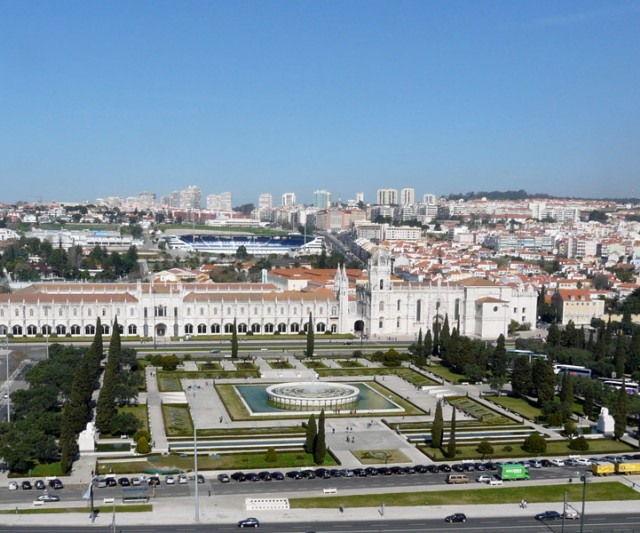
630,467
602,468
513,472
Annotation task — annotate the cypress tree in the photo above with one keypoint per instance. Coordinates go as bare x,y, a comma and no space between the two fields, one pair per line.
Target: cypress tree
436,338
451,445
588,400
312,434
634,351
105,408
620,416
521,377
310,337
427,347
234,340
619,357
419,344
437,428
320,449
553,335
499,359
445,335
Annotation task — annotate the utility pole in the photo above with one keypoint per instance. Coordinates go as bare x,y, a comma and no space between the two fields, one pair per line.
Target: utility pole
195,464
7,383
585,479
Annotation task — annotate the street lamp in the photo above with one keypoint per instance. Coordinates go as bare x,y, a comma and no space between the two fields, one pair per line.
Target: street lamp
585,478
195,463
7,383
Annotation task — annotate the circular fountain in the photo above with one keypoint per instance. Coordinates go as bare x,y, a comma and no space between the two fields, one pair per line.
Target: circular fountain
312,395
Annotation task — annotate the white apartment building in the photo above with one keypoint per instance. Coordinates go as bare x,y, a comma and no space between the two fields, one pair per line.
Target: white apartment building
219,202
191,198
387,197
407,197
265,201
322,199
429,199
289,199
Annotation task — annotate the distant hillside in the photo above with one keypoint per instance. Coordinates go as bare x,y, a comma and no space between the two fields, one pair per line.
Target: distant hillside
524,195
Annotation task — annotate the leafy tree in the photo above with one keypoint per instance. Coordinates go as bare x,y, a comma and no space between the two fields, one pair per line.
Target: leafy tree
521,377
234,340
580,444
437,428
310,337
271,455
544,381
320,450
142,446
451,444
485,447
570,428
312,434
535,443
125,424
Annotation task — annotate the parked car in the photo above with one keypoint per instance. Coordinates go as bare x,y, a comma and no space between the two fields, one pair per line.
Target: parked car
372,471
169,480
224,478
112,482
359,472
557,462
549,515
56,484
40,484
535,463
421,469
294,474
252,476
249,522
124,482
46,497
456,518
480,467
583,461
13,485
546,463
308,474
458,468
182,479
433,469
100,482
444,467
26,485
278,476
483,478
239,476
200,478
154,481
136,481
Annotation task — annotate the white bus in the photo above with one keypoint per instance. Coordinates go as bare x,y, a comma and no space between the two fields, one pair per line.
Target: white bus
630,386
573,370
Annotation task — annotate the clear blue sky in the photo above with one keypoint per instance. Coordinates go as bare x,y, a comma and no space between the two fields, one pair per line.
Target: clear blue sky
113,98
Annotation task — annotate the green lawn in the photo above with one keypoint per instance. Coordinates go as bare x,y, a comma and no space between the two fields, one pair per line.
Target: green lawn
517,405
480,496
235,461
105,510
177,420
445,373
478,411
468,451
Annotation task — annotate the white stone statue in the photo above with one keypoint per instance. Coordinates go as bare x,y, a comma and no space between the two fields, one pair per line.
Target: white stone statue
606,422
87,439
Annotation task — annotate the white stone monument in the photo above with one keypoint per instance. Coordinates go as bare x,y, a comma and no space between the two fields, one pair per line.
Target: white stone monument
87,439
606,423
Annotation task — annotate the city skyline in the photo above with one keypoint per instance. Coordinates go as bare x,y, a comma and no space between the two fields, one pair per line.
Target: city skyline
351,97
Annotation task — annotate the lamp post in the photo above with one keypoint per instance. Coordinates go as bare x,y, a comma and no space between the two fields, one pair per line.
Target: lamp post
195,464
585,478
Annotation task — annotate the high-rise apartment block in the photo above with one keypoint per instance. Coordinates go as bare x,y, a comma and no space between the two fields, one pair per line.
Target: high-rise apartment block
359,198
322,199
265,201
219,202
289,199
147,200
407,196
387,197
429,199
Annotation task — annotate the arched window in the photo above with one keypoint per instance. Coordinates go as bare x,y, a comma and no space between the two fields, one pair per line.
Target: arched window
61,330
305,327
47,330
16,330
105,329
3,330
268,328
132,329
215,328
334,310
32,330
202,328
282,327
228,328
320,327
334,328
188,329
398,305
381,307
255,328
242,328
381,284
381,323
76,330
418,310
90,330
295,327
120,329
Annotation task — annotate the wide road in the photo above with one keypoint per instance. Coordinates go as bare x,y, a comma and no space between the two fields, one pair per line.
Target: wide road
593,524
304,487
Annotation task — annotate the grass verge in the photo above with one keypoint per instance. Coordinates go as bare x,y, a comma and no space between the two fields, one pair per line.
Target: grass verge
481,496
134,508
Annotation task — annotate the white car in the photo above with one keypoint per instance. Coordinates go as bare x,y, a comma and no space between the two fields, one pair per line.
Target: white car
583,461
182,479
170,480
483,478
13,485
557,462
